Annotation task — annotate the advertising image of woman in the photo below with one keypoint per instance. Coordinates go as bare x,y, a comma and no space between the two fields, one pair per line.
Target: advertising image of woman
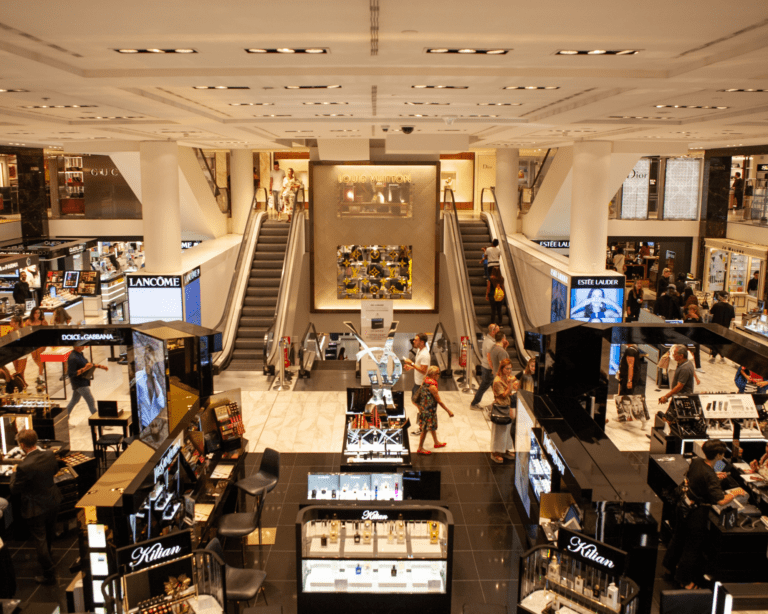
597,308
150,387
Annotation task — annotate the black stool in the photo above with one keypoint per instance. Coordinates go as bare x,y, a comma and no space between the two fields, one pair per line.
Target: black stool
103,444
240,584
242,524
263,481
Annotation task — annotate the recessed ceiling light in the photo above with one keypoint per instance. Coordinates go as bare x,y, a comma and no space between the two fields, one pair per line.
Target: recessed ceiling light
13,91
315,50
256,50
115,117
127,50
157,51
61,106
532,87
311,103
333,115
272,115
312,87
185,51
742,90
251,104
440,87
567,52
685,106
444,104
346,130
499,104
597,52
467,50
220,87
286,50
479,116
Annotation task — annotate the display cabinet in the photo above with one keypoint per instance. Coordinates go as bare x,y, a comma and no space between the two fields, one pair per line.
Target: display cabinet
71,186
368,558
553,580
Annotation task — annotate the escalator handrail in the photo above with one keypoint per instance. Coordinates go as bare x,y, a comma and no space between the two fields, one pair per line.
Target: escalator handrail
253,216
520,311
439,327
466,293
268,353
311,327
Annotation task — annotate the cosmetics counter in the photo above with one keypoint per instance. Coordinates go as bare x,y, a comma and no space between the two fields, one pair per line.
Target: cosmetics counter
694,419
378,558
737,538
11,267
569,474
375,438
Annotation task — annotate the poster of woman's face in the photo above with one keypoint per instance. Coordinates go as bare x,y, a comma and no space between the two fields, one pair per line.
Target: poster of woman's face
149,359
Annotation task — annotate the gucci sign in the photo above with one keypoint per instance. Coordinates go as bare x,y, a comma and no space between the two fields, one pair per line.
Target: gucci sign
104,172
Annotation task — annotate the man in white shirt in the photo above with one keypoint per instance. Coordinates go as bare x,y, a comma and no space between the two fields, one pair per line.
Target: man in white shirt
420,365
485,367
493,254
276,176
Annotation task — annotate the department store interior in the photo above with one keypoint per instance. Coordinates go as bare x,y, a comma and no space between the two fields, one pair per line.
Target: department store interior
312,306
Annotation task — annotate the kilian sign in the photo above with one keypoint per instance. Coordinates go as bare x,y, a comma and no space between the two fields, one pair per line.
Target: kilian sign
592,551
373,515
154,551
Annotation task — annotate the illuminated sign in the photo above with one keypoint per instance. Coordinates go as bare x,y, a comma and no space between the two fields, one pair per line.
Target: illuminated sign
153,551
154,281
191,276
373,515
555,243
373,178
592,551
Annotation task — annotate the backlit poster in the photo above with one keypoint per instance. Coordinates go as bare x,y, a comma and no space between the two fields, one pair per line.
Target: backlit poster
559,301
597,299
681,189
634,194
374,271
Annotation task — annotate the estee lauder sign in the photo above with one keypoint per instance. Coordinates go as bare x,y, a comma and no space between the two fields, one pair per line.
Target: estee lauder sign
154,551
374,178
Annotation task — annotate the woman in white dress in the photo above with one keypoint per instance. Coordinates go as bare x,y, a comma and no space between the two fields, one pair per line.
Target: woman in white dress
291,187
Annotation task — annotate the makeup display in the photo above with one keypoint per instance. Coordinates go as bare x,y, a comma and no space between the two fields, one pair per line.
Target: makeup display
361,555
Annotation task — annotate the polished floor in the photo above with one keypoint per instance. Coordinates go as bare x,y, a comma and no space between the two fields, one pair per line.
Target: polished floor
306,423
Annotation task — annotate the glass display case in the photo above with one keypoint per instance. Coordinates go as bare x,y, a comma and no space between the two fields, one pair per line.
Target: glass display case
729,267
552,580
372,437
355,486
539,469
360,556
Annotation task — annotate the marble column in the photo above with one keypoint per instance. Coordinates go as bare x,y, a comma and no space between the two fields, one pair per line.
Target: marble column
507,166
160,206
241,172
589,206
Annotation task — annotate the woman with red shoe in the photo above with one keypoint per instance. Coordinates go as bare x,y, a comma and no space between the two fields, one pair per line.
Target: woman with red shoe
427,398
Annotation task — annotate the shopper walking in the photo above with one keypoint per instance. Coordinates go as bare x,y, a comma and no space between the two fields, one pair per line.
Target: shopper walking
498,352
485,368
32,482
685,555
635,301
419,365
495,294
428,400
667,305
629,370
722,313
684,377
738,191
78,369
276,177
503,413
493,254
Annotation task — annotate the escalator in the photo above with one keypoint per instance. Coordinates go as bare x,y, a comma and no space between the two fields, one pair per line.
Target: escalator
260,299
475,236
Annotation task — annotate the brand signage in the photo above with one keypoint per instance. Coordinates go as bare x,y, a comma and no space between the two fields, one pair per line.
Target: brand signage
554,243
374,178
559,276
113,336
191,276
597,282
591,551
104,172
188,244
154,281
166,460
11,267
154,551
76,249
373,515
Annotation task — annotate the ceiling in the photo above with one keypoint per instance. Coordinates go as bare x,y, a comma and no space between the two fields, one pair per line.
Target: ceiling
63,58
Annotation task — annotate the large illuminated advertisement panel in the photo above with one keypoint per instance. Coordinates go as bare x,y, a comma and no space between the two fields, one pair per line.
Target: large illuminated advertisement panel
155,297
597,299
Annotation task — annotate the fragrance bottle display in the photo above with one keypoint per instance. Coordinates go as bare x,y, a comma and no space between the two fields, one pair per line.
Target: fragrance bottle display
553,581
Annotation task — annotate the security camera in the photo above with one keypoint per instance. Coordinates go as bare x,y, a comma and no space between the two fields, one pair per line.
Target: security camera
385,128
406,129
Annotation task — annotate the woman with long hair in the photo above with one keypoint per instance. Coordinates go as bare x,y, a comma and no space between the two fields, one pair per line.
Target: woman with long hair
525,377
428,400
495,283
36,318
635,301
504,387
61,317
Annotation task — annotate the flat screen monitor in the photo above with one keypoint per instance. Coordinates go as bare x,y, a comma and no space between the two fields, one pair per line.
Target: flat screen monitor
71,278
150,385
650,243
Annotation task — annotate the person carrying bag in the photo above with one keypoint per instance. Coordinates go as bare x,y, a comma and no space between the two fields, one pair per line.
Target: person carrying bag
503,413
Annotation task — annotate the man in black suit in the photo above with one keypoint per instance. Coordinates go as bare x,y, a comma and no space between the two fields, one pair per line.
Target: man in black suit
32,481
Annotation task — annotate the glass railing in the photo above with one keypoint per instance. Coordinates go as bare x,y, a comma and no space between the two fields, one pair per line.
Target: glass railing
440,351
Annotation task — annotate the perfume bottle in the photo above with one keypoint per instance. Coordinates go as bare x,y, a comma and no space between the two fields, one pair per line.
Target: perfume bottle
553,570
579,585
396,489
612,596
334,529
391,534
434,532
394,571
357,537
358,569
323,540
376,492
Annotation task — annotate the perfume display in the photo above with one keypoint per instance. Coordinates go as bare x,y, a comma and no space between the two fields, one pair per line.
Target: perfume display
553,581
355,486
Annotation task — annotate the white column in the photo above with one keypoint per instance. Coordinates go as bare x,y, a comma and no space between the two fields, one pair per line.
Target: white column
241,172
507,163
589,206
160,206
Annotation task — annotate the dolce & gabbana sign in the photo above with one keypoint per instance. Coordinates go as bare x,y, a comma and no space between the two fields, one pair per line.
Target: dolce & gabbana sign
594,552
154,281
154,551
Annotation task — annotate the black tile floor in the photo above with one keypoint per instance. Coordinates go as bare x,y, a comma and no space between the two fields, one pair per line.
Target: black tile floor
488,536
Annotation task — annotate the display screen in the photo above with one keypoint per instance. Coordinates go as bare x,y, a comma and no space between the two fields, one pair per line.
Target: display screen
192,313
559,309
593,300
99,566
153,298
374,271
150,388
96,536
71,278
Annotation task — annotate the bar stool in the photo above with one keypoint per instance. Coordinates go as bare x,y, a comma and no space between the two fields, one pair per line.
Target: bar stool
103,444
264,480
242,524
240,584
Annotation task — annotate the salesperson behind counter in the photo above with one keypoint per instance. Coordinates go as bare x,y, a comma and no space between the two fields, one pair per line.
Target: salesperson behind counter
684,558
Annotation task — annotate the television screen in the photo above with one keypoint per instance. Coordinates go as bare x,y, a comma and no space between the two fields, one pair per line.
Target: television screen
71,278
150,387
597,304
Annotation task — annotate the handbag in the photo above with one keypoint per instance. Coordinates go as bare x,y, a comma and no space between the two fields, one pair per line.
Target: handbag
498,294
500,414
686,500
418,396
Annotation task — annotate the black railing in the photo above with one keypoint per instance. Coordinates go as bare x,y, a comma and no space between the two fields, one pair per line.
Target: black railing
220,194
443,343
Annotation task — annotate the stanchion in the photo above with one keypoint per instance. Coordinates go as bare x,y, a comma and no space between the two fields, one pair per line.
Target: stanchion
281,359
463,361
467,387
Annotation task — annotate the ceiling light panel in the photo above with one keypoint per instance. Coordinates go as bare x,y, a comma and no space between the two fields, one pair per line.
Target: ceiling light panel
251,104
156,51
467,51
499,104
2,91
100,117
440,87
685,106
220,87
61,106
444,104
597,52
289,50
532,87
751,90
321,103
312,87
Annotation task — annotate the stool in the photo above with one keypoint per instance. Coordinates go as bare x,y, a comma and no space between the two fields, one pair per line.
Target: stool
103,444
263,481
242,524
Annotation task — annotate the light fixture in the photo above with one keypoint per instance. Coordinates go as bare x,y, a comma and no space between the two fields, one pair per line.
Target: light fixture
443,104
567,52
333,115
311,103
61,106
597,52
347,130
288,50
479,116
686,106
13,91
532,87
250,104
742,90
220,87
157,50
467,51
499,104
439,87
115,117
312,87
272,115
